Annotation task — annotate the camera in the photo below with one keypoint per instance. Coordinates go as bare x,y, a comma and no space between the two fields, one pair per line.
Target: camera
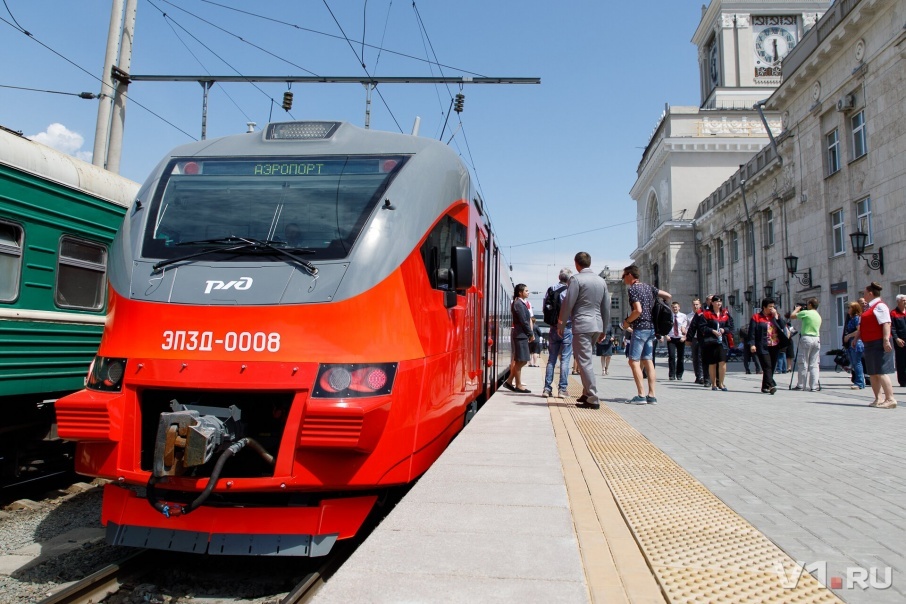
800,305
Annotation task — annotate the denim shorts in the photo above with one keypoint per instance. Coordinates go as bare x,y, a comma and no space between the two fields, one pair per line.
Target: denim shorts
641,347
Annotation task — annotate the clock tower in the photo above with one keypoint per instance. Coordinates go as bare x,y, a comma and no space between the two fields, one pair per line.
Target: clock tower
741,46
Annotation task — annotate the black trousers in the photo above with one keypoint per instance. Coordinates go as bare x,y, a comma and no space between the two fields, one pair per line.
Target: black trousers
768,363
676,351
696,359
900,358
749,357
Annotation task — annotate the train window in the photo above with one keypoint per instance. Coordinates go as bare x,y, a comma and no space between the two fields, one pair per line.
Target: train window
81,274
436,251
317,204
10,261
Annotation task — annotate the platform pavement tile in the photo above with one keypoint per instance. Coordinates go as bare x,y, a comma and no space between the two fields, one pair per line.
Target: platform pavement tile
515,493
486,474
515,442
385,588
511,459
492,555
480,519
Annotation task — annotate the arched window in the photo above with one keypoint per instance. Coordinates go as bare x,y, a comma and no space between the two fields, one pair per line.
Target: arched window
652,217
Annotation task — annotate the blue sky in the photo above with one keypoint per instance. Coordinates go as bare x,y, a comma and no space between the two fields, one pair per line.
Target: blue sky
552,160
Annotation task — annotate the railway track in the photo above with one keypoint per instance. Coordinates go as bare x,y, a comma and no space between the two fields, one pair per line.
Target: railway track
97,586
135,568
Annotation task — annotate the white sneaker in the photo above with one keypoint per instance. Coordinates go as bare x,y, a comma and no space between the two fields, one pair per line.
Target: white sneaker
547,393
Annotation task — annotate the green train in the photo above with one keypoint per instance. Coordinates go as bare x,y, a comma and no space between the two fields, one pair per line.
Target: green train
58,217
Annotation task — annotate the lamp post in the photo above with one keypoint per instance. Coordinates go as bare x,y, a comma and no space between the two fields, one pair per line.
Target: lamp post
768,291
731,299
859,238
745,206
792,263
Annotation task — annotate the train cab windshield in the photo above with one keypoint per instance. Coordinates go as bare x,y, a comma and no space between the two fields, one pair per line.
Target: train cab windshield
315,205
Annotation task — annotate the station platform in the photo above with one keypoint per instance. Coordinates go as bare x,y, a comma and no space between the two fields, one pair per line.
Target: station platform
707,496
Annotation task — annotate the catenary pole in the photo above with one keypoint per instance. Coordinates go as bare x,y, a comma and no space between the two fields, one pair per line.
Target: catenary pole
118,119
99,155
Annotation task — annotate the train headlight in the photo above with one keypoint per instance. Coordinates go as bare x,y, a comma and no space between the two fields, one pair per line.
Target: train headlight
106,374
354,380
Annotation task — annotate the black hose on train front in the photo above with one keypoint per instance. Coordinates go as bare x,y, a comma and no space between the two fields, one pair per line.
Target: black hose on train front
167,510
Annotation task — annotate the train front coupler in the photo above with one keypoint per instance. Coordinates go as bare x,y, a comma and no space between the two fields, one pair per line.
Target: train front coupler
189,437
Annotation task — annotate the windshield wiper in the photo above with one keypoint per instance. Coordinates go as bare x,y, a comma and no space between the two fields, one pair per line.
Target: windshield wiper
241,244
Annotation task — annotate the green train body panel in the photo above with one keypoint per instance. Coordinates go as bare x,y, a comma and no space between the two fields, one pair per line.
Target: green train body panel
39,357
49,353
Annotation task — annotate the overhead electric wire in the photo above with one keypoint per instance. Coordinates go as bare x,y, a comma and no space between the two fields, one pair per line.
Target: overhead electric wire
103,84
13,17
365,69
364,20
175,33
610,226
78,94
321,33
225,62
383,37
237,36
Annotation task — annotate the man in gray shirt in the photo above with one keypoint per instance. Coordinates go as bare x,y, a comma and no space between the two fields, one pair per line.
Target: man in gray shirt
587,305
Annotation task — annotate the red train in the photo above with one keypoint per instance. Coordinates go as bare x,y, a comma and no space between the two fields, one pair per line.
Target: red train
299,318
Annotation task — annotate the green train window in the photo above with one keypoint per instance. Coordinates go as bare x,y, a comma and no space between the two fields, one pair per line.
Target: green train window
10,261
81,275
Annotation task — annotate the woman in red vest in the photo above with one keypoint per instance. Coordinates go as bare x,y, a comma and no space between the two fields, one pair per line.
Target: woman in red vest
716,325
874,331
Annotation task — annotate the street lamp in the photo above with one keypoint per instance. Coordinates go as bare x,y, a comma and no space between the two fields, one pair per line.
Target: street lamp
792,263
877,260
747,295
769,291
731,299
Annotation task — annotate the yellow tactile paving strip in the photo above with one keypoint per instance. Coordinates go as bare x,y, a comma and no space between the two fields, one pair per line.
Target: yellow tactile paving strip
698,549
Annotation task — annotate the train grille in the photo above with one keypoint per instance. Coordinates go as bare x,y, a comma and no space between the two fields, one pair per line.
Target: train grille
330,430
88,421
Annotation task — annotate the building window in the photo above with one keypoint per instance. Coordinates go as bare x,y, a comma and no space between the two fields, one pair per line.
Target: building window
863,218
734,246
839,234
832,144
10,261
768,234
614,303
708,259
81,275
720,253
860,138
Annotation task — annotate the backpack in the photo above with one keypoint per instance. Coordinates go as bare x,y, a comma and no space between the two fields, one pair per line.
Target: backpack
551,307
661,315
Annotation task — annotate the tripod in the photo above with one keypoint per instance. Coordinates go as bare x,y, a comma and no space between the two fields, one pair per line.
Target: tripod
795,368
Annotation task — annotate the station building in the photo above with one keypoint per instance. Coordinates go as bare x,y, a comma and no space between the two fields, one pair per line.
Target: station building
831,83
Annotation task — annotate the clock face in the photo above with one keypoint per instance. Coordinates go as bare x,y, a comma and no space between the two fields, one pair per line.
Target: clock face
714,65
772,44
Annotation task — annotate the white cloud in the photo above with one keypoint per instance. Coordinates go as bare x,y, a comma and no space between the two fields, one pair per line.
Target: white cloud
61,138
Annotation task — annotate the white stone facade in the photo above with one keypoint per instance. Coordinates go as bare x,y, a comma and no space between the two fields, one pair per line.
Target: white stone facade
694,149
841,169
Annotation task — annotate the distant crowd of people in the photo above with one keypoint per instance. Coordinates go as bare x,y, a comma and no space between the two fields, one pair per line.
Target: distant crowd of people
577,308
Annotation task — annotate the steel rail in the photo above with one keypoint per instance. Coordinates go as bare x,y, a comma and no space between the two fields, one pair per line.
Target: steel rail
97,585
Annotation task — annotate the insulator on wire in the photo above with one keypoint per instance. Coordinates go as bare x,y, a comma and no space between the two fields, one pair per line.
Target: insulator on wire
458,103
287,100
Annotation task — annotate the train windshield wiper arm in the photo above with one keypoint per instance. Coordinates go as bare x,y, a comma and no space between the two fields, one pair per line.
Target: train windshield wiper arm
240,244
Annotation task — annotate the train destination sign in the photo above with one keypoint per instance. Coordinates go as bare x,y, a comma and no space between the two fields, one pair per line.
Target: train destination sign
268,167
